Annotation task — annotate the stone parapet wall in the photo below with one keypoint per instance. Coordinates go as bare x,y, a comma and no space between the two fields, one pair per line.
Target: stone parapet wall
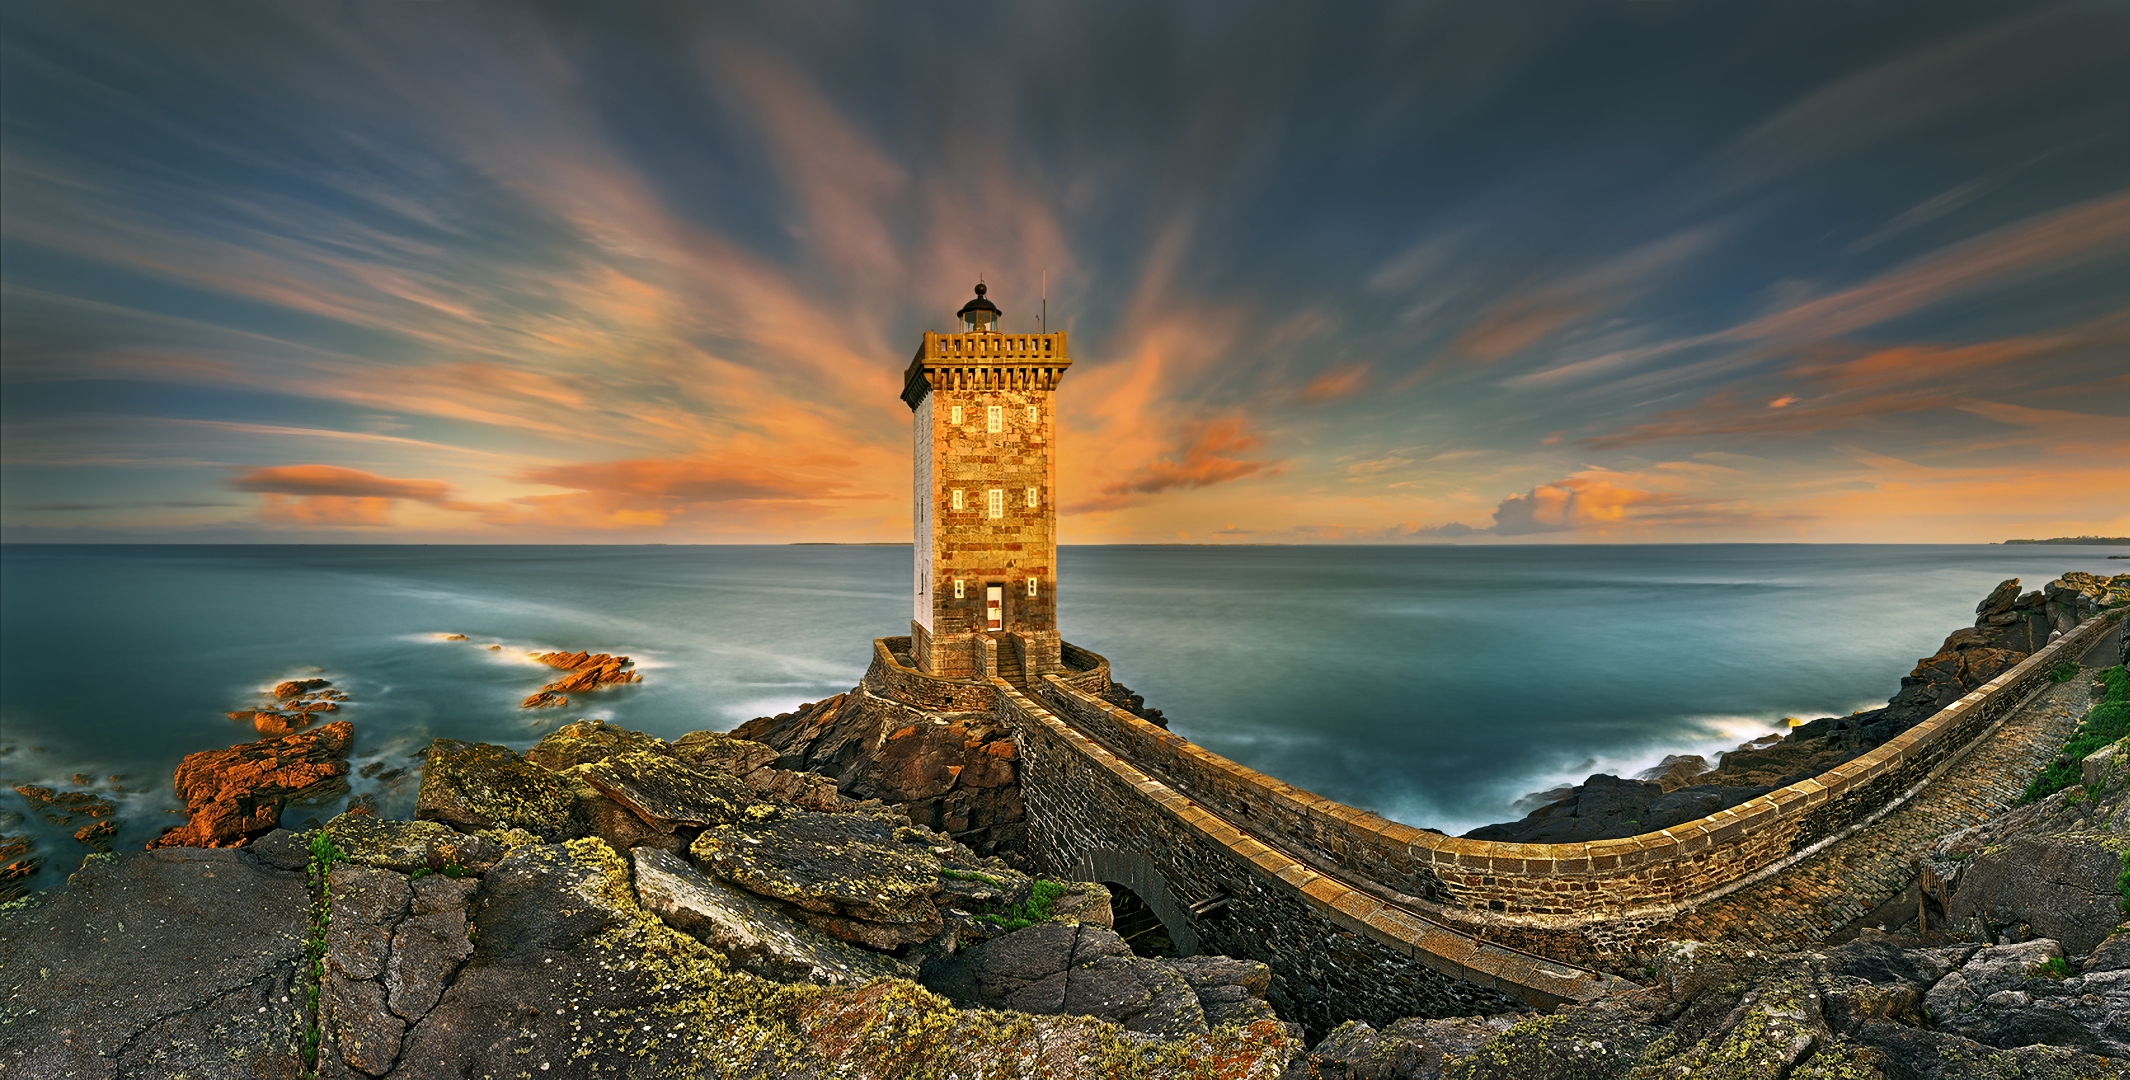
892,679
1635,879
1084,670
1336,953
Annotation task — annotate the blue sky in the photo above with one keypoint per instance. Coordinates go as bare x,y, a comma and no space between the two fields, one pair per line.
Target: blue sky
1650,271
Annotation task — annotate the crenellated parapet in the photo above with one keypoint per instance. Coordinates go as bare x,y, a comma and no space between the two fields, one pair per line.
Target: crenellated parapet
985,361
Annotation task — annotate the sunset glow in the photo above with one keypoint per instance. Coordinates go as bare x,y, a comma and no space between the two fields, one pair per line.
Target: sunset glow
1643,272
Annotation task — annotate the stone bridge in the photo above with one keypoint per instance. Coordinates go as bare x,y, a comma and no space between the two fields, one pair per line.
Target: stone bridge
1362,917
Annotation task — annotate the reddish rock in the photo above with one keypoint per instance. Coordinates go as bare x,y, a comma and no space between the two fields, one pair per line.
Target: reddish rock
237,793
276,724
587,671
299,687
97,835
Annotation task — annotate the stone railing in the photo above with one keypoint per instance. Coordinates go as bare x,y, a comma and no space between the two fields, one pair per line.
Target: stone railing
891,678
1085,671
1563,885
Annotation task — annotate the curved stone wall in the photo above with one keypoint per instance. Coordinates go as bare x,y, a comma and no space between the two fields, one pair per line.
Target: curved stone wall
1563,886
891,678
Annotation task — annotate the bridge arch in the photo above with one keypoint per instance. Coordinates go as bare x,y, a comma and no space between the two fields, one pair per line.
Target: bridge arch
1134,871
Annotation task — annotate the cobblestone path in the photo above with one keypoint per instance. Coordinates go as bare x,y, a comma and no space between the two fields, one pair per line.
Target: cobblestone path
1846,880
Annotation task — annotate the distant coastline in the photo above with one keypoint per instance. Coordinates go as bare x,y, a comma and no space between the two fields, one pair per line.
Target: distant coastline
2089,541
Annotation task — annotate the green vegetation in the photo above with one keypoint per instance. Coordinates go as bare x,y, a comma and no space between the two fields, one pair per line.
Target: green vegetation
439,863
324,853
2106,722
970,875
1041,903
2122,884
2090,540
2055,967
2064,672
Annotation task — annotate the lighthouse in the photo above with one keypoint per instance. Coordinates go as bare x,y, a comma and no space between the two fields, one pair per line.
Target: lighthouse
984,456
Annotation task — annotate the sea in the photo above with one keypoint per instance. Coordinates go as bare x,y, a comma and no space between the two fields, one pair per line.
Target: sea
1437,685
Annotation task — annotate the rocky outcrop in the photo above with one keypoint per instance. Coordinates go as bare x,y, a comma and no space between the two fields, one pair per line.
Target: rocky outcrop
2009,625
474,786
955,772
587,671
236,794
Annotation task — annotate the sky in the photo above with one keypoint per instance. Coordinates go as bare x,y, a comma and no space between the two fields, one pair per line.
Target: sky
1460,272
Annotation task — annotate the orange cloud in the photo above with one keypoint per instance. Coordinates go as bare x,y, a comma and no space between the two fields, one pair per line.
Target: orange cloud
332,480
621,494
328,495
1207,456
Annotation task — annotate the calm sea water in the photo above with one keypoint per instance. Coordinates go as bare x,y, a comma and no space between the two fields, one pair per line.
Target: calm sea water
1436,685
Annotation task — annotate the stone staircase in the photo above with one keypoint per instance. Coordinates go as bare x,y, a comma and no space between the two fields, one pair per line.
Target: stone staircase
1010,667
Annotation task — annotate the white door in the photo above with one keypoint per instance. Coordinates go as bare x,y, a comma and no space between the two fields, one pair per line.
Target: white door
994,599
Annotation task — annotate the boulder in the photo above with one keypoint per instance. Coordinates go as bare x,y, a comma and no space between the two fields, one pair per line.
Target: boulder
1080,970
956,772
753,934
236,794
667,793
720,752
1999,601
295,688
2061,886
862,877
587,741
408,846
472,786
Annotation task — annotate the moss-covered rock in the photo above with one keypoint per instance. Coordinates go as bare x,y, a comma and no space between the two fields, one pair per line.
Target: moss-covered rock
407,846
474,786
721,752
752,933
862,877
587,741
667,793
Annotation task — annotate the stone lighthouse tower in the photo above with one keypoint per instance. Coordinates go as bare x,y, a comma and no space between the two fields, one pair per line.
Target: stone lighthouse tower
986,511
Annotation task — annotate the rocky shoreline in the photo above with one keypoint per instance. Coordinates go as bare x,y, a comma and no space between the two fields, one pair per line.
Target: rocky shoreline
2009,626
834,892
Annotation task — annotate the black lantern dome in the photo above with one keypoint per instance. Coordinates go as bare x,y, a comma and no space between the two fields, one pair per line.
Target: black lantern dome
979,314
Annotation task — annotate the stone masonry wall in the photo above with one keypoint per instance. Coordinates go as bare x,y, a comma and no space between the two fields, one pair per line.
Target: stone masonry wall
1564,887
968,544
1336,953
890,678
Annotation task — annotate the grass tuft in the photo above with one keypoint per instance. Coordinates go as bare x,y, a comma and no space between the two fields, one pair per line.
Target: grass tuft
2107,721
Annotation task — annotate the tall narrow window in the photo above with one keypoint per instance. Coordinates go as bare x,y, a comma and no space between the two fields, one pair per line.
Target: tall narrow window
1031,498
1031,586
1031,414
957,498
957,589
998,502
994,417
954,415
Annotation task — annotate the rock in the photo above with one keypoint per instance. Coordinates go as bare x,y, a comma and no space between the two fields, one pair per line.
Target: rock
429,946
235,794
1080,970
1230,991
752,933
958,773
2105,766
1999,601
860,877
181,961
668,794
18,864
276,724
2062,886
482,786
298,687
587,741
563,947
587,671
1605,807
720,752
1676,771
1907,1052
408,846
